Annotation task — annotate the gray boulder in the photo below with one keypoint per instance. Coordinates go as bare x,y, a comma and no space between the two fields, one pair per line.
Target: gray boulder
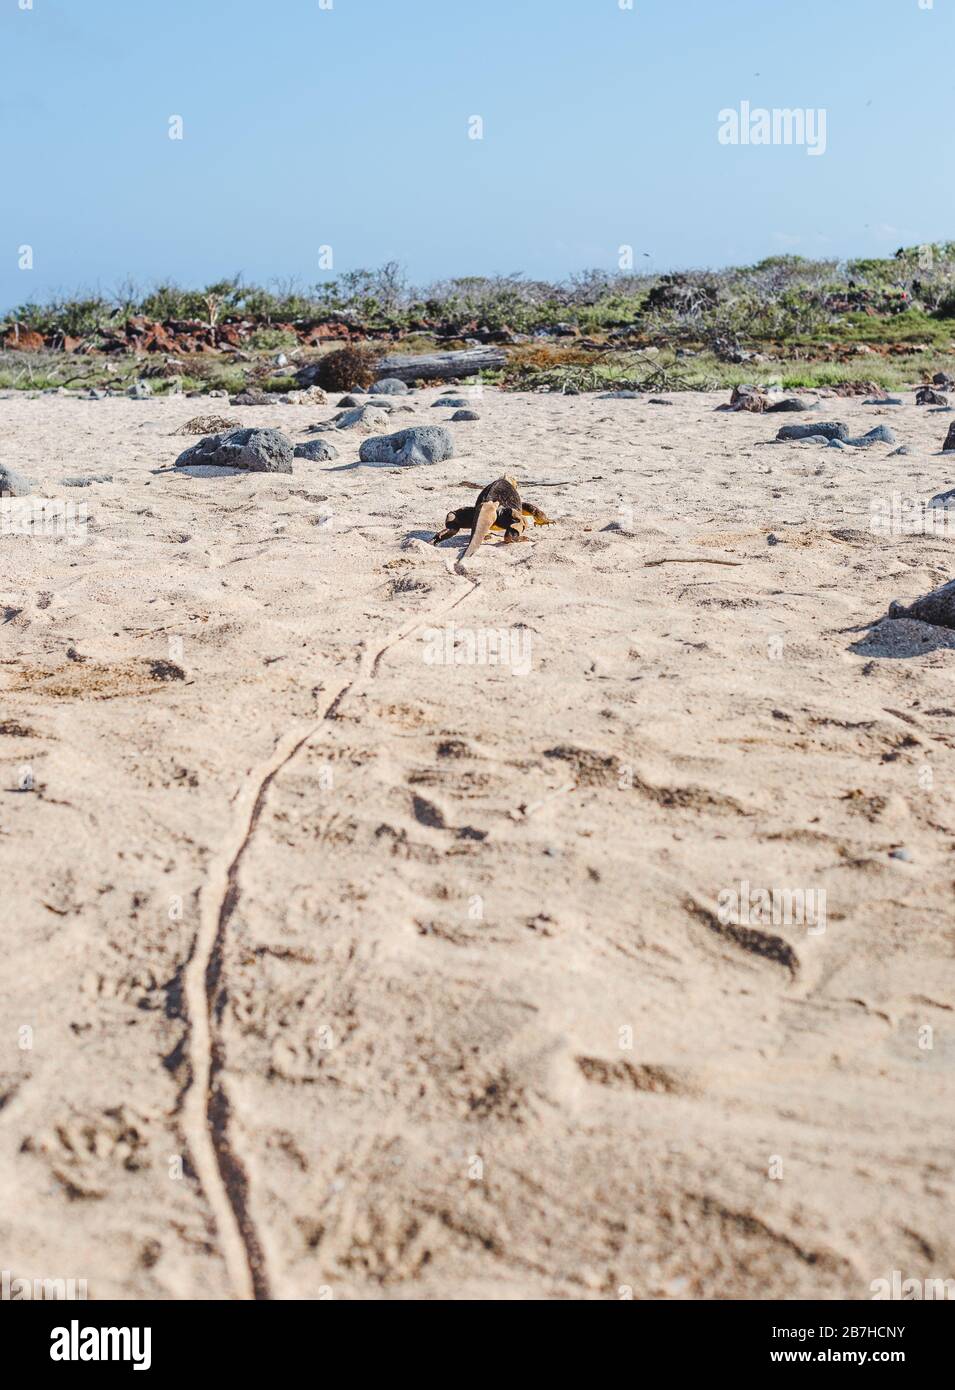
789,403
829,429
257,451
388,386
465,415
316,450
949,438
450,402
13,484
419,444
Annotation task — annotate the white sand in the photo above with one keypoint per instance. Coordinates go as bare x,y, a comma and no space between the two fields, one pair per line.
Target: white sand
285,918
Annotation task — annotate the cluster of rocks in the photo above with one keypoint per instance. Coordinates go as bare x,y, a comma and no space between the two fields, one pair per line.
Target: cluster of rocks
271,451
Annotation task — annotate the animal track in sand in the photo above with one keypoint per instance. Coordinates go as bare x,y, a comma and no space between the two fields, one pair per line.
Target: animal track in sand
752,940
624,1075
206,1110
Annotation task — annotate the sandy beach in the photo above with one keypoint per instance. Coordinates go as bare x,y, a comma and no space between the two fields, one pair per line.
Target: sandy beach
354,950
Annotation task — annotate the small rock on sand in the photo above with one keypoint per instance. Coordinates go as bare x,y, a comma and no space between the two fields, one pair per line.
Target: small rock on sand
86,480
316,450
311,395
140,391
252,396
13,484
419,444
949,439
450,402
256,451
465,415
366,419
389,386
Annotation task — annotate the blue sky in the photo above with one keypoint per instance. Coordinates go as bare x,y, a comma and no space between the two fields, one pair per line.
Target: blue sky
348,127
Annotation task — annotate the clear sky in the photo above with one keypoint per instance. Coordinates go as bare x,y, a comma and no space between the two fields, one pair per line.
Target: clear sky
348,127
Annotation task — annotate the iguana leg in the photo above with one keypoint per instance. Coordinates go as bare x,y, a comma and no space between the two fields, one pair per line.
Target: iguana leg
455,521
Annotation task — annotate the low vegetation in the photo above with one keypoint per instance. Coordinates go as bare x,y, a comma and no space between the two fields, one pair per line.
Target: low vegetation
801,322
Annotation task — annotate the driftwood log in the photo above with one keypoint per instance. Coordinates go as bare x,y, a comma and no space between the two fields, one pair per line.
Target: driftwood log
445,366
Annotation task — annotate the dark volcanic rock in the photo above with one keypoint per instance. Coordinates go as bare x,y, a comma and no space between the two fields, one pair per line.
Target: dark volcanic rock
465,415
938,607
257,451
316,450
927,395
829,429
950,438
789,403
419,444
